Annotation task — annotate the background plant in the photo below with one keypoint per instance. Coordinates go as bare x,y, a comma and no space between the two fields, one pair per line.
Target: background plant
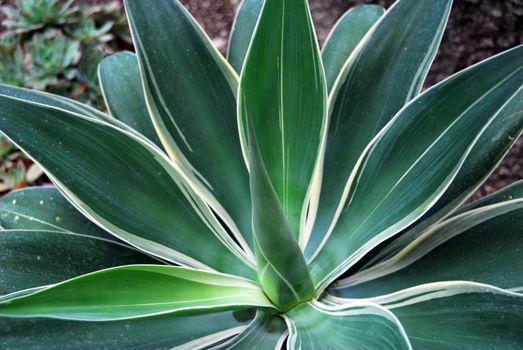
344,264
55,46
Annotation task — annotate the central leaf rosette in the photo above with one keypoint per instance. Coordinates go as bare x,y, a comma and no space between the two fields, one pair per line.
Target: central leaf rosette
280,174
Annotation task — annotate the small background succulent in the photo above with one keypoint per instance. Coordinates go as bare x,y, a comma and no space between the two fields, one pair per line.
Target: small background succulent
286,197
54,40
56,46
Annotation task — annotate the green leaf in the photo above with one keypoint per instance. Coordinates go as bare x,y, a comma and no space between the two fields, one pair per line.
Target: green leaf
458,315
264,332
31,258
285,97
136,291
399,181
346,34
191,93
65,104
56,101
513,191
21,293
45,208
482,245
283,273
121,85
159,332
351,326
124,184
384,72
485,156
242,32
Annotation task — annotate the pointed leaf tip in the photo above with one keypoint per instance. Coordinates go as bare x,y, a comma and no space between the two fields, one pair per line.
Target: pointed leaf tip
286,96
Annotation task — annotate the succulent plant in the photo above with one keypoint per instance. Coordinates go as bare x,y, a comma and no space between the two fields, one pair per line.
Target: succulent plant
45,39
312,202
86,30
51,55
28,15
11,67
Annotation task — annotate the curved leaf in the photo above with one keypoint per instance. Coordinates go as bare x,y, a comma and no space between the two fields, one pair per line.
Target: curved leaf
31,258
136,291
513,191
64,103
242,30
121,85
55,101
399,181
285,98
159,332
487,153
191,93
346,34
482,245
122,183
282,272
351,326
45,208
263,333
386,71
458,315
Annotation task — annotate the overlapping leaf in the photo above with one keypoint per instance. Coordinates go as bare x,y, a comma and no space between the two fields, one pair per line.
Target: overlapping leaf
46,240
242,32
282,272
32,258
191,93
350,326
398,181
264,332
159,332
285,97
122,183
457,315
45,208
136,291
121,84
56,101
383,74
456,249
487,153
345,36
511,192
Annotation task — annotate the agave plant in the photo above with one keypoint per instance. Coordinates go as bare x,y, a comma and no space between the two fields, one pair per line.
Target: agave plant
311,202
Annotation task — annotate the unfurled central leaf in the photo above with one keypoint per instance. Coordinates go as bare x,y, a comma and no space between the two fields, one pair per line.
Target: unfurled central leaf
283,92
